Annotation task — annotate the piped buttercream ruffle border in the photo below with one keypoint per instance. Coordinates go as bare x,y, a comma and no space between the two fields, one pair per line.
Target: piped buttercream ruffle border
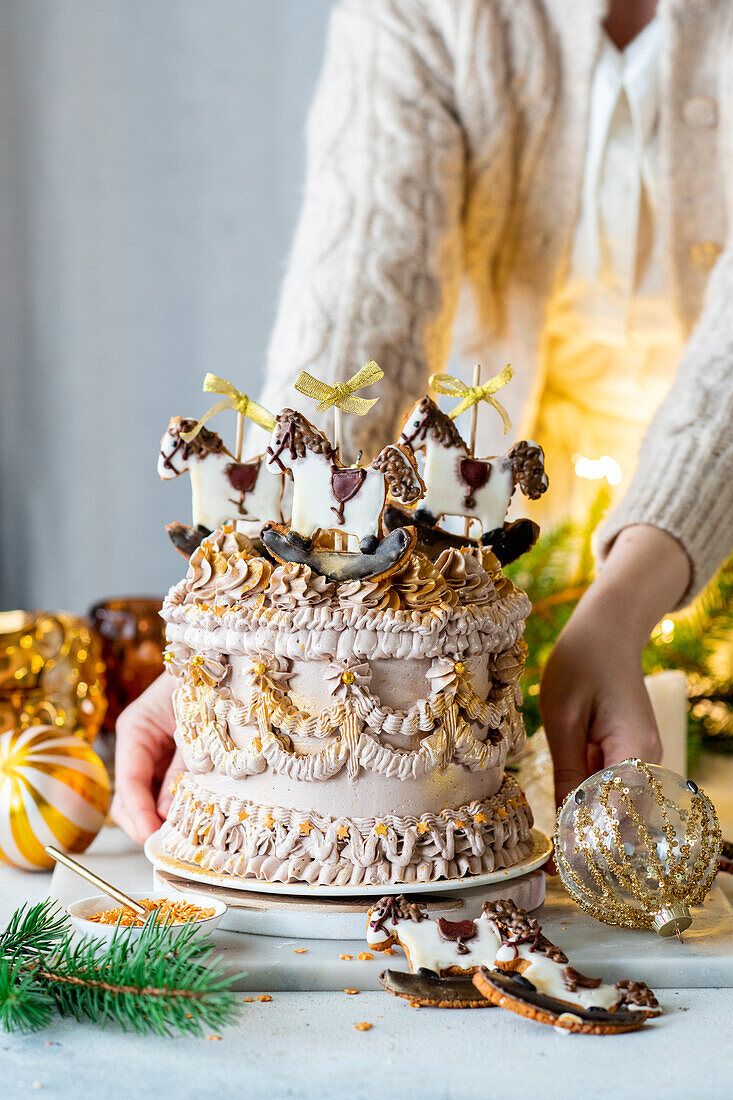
247,840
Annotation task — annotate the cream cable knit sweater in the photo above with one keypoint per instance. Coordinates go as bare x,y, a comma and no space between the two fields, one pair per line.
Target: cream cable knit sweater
446,144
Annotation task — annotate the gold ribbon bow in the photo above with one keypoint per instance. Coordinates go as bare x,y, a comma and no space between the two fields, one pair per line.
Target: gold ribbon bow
340,395
234,399
446,383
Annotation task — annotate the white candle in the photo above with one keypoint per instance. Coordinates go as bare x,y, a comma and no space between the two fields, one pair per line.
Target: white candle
668,694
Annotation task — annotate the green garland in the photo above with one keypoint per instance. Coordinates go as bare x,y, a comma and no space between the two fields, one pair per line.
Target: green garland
161,982
699,640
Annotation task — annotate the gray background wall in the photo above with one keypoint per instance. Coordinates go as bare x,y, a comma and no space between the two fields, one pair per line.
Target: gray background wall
151,162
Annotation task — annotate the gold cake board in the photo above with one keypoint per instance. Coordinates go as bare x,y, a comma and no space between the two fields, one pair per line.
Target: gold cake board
336,913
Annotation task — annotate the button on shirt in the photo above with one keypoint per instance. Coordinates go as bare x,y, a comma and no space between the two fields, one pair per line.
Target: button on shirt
611,342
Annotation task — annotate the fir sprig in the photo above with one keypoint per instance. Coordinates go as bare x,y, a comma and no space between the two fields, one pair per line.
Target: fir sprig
24,1004
165,980
33,929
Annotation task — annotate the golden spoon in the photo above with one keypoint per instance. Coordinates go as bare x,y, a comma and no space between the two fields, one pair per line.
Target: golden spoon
95,880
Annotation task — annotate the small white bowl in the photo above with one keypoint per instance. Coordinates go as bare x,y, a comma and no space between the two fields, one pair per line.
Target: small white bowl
79,912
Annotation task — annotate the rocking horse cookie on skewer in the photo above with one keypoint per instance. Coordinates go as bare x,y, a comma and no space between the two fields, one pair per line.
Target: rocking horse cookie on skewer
223,488
459,484
331,497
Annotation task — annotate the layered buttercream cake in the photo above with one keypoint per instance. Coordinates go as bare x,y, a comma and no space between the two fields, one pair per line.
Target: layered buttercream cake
345,708
341,733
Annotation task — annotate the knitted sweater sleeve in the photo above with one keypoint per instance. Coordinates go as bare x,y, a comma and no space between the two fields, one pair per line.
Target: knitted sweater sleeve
375,265
684,478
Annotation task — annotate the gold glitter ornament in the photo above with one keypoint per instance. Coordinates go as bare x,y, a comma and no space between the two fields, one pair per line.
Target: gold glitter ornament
51,671
54,790
637,845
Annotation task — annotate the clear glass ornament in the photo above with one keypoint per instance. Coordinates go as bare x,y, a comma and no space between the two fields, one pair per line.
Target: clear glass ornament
638,845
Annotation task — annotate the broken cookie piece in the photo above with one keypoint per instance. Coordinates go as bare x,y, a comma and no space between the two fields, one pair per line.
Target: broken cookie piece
510,989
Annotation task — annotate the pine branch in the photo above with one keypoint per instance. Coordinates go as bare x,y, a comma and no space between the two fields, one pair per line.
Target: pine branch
24,1005
163,981
33,929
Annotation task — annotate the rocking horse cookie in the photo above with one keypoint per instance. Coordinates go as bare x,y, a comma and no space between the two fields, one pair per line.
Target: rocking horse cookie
223,488
458,484
328,496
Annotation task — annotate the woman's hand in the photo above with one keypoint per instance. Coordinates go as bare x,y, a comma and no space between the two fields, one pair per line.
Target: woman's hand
145,761
594,705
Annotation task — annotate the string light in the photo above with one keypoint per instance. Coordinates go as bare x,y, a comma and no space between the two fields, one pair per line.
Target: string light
664,631
596,468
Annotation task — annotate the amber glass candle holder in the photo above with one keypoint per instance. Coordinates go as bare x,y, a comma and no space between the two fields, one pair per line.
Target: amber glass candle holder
132,636
51,672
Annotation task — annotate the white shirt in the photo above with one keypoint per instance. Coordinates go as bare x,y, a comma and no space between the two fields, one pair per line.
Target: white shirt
612,342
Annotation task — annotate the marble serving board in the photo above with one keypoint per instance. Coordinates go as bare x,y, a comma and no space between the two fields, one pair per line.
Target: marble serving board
340,918
269,963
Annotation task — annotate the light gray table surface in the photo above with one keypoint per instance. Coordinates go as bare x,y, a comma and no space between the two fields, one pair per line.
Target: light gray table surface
306,1045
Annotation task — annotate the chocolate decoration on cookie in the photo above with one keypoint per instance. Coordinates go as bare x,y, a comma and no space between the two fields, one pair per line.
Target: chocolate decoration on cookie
186,539
638,995
574,980
394,909
345,484
429,991
476,475
242,476
456,929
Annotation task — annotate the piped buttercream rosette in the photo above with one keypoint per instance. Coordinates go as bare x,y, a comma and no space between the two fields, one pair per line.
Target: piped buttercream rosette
420,586
466,576
342,677
294,585
223,570
446,672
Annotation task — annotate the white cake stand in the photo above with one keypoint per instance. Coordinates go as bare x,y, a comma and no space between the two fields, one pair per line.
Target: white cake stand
338,912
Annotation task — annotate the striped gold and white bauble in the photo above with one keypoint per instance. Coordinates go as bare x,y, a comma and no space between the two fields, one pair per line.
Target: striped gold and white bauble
54,789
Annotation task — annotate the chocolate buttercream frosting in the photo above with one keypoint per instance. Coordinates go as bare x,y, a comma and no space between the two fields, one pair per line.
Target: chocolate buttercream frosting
466,576
295,585
420,586
223,554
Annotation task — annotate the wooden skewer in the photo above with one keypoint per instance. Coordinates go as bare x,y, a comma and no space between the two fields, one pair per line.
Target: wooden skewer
338,542
95,880
474,427
240,437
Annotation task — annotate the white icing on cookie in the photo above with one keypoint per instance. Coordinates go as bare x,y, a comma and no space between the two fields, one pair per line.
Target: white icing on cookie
425,947
547,976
